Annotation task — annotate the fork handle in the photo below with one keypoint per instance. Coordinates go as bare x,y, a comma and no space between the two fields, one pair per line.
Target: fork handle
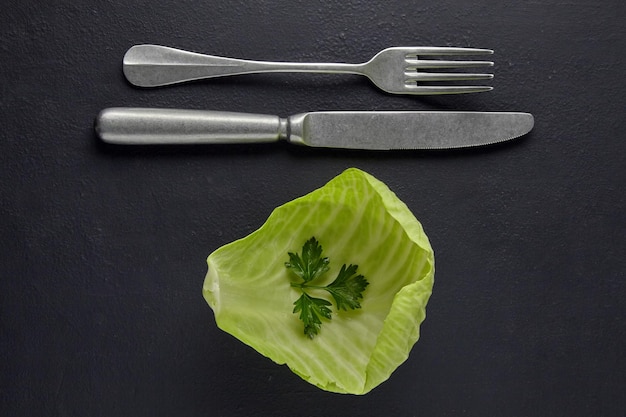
155,65
149,126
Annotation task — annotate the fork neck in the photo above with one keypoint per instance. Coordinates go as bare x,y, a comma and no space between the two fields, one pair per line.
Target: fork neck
325,68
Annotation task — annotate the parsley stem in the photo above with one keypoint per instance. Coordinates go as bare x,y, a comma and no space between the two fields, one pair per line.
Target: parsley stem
304,285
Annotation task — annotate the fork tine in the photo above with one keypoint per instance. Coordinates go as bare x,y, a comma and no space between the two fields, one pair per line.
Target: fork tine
420,89
445,50
415,63
445,76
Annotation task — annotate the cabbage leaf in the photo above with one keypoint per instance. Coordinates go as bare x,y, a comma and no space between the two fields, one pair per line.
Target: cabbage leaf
359,220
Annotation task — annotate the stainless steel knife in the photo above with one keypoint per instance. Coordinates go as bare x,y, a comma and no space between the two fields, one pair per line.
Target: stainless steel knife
375,130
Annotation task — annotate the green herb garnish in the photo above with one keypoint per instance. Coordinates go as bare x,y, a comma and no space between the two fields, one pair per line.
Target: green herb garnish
347,289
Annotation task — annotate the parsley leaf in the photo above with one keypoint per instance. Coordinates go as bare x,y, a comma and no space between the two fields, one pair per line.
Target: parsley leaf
347,289
311,265
312,310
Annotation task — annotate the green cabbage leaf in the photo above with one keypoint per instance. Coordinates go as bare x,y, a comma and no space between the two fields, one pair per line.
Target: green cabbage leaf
358,220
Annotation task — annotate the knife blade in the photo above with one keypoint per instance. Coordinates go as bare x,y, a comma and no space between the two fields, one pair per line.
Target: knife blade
374,130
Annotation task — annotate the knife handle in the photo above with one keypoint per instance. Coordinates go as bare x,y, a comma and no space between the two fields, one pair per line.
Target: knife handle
147,126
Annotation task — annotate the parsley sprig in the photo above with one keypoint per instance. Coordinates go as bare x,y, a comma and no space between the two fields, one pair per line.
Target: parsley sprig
347,289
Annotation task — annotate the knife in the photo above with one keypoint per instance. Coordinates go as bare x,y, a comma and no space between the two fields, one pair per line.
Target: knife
375,130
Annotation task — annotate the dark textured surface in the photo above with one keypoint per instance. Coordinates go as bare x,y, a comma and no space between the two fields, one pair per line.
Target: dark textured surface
103,248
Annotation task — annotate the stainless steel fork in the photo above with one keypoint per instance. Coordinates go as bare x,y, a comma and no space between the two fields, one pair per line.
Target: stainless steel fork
398,70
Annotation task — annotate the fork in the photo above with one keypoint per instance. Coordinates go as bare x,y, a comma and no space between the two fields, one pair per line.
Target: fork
397,70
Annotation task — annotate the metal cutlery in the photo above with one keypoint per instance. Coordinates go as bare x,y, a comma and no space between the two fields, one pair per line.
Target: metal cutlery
398,70
374,130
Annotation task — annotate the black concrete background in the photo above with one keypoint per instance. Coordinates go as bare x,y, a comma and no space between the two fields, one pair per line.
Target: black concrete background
103,248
